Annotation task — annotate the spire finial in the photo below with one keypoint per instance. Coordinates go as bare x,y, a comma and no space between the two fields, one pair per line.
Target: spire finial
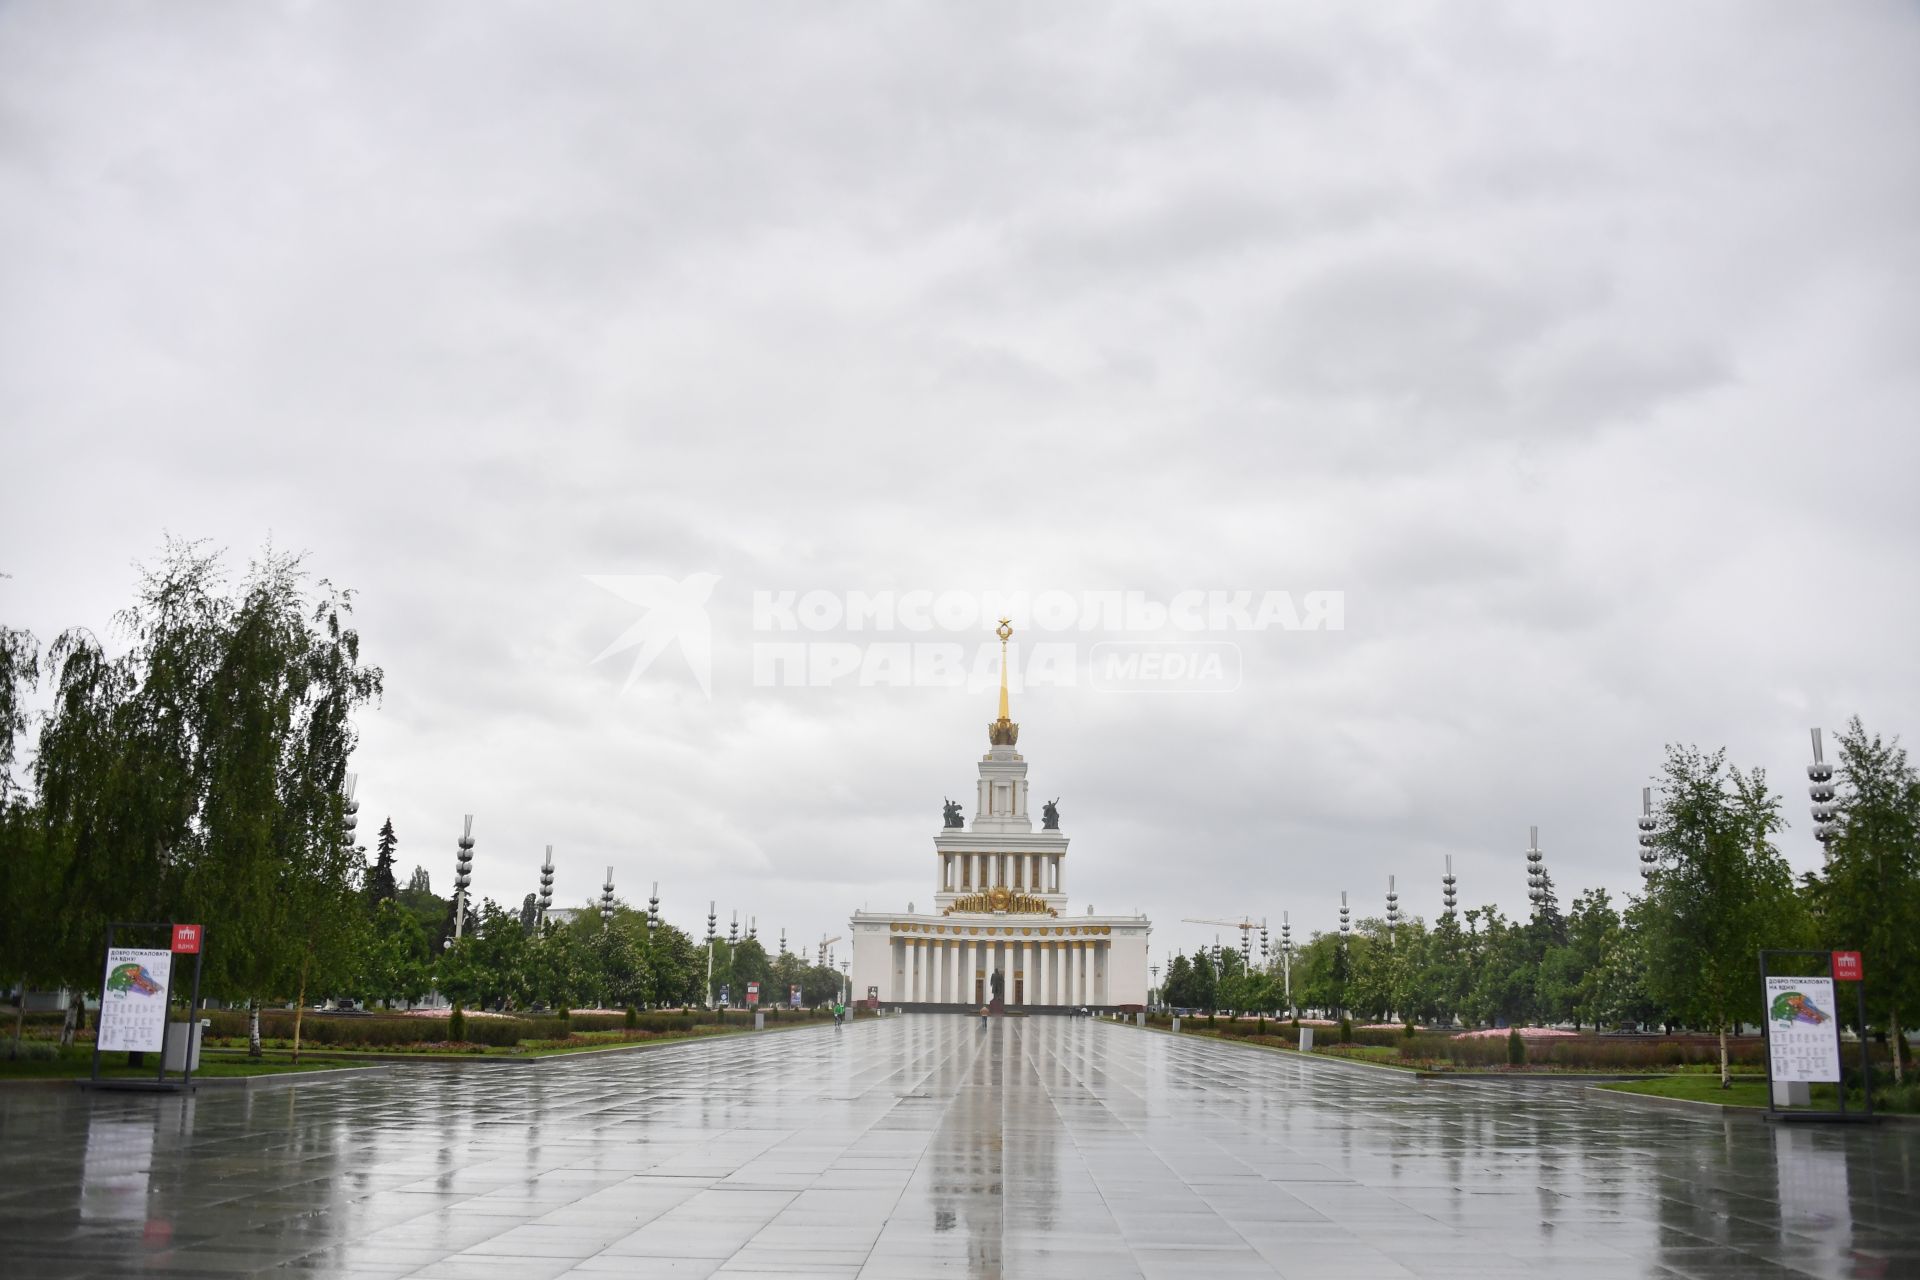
1003,732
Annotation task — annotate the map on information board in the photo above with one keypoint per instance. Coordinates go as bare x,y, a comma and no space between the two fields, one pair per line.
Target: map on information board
1803,1036
133,1000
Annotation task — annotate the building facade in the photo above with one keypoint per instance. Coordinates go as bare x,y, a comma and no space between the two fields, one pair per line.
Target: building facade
1000,906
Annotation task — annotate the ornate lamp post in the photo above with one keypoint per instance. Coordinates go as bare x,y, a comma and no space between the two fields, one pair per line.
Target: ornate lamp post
1154,969
546,891
606,901
783,942
1649,855
1826,818
753,928
349,810
1393,912
1448,898
1266,951
710,936
1345,967
1537,890
462,877
1286,962
653,909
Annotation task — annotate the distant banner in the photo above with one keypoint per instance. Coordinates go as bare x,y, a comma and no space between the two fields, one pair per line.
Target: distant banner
1803,1035
133,1000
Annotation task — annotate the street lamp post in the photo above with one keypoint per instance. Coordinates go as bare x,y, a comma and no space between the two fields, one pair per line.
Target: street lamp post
1649,856
1826,818
653,910
1447,896
462,877
606,901
711,919
546,891
1286,962
1345,963
1537,890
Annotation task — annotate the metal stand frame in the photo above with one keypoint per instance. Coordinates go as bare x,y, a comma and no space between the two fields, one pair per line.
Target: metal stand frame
159,1083
1866,1066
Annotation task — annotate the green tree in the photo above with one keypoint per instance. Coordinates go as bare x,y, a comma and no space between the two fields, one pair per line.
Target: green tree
750,964
1868,894
397,963
380,882
788,971
1206,982
1721,892
557,970
434,912
1176,991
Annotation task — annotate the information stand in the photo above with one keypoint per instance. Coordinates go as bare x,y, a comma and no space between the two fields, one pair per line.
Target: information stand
136,1000
1800,1027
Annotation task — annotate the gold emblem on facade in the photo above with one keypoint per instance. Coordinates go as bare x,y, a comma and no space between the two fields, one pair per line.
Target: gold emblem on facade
1000,899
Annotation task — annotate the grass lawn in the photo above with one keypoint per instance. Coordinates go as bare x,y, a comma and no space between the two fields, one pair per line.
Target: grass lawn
1747,1091
78,1062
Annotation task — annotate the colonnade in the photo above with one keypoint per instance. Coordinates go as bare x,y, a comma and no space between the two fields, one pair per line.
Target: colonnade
1036,971
1028,872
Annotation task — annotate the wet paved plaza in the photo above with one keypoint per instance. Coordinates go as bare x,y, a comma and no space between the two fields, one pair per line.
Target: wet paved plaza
927,1146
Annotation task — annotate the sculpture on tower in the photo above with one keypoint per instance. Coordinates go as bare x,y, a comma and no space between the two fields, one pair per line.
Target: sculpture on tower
1050,815
951,812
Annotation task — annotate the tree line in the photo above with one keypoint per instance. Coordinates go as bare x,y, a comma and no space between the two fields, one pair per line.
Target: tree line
1683,953
199,775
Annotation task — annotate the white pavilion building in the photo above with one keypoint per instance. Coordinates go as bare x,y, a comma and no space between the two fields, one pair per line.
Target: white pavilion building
1000,905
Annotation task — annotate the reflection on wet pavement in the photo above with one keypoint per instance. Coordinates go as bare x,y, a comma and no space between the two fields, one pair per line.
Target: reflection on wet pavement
934,1146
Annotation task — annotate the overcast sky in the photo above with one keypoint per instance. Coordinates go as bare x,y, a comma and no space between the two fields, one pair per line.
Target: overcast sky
1574,345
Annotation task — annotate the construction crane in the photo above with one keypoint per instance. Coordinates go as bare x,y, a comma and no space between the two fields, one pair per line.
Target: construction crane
826,942
1245,924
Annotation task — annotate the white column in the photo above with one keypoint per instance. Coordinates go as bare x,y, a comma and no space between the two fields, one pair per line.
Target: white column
1080,972
1027,973
897,956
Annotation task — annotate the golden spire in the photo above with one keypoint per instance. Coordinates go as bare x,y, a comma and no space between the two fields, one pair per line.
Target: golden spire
1003,732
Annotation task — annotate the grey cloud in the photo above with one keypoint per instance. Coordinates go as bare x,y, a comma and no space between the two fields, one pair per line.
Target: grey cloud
1568,344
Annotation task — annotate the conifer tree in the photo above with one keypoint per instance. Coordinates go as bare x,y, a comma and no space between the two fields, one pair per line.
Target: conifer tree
380,883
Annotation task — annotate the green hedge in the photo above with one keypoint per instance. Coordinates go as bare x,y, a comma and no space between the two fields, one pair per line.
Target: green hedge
373,1031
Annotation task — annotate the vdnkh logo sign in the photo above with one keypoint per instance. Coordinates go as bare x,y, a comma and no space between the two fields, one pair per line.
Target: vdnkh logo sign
186,939
1847,966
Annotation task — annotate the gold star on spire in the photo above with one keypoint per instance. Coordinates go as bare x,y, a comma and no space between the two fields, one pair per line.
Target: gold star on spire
1003,732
